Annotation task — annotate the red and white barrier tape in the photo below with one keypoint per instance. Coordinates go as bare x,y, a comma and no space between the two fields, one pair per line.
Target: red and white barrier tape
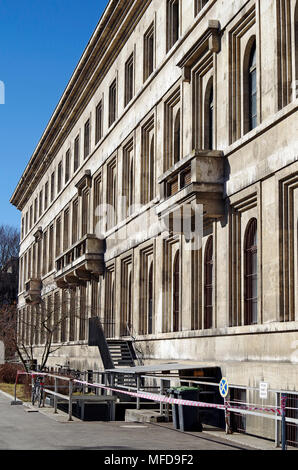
179,401
164,399
154,396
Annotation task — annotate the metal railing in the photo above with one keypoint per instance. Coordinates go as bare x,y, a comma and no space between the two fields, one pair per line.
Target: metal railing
281,411
138,351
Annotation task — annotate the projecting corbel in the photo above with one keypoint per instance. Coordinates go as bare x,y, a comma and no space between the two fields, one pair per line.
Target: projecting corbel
38,234
214,43
209,41
84,182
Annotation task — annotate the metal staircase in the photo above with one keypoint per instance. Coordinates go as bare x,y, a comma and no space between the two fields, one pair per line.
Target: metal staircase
121,352
114,352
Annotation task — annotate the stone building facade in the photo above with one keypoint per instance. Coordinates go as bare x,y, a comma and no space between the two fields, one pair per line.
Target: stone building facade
174,106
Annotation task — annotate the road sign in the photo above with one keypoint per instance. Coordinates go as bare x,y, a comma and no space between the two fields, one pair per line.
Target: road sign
224,387
263,390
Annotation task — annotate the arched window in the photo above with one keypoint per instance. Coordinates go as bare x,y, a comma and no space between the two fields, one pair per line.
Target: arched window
250,274
252,88
111,320
208,284
177,137
295,91
129,306
150,299
176,292
151,170
209,116
131,186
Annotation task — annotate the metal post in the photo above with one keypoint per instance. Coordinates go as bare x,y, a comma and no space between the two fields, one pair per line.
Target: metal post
89,380
105,381
15,388
227,417
55,396
161,393
32,383
277,439
70,401
97,390
138,387
283,422
112,383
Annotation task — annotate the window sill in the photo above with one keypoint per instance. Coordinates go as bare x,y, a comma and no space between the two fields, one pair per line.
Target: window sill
267,328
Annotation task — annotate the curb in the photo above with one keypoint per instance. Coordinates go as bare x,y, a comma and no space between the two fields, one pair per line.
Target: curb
11,397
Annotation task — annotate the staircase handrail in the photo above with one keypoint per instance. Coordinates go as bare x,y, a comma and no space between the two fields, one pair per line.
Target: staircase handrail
139,352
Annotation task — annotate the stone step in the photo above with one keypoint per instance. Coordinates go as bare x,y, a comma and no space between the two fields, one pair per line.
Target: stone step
143,416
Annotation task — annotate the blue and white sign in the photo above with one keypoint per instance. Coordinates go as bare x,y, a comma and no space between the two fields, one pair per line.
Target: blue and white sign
224,387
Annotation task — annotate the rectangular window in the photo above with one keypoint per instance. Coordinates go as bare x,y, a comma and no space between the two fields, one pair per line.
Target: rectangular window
98,122
149,52
45,246
30,218
112,198
147,162
51,245
97,201
83,319
128,179
58,236
52,186
26,223
66,230
35,210
87,139
76,154
112,102
85,212
129,80
75,227
67,166
59,183
173,130
172,23
199,5
46,195
40,203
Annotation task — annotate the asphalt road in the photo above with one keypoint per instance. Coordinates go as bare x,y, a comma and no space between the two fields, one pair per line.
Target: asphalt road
20,430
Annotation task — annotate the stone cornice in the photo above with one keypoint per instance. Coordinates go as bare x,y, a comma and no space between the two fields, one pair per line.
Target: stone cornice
100,52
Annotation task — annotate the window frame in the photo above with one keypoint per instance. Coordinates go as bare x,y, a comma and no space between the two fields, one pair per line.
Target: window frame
251,276
173,22
149,52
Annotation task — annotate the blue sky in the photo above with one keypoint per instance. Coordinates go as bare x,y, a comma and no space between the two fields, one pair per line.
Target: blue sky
41,41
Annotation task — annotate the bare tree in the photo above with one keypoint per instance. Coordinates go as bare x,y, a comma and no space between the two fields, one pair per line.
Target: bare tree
47,326
8,322
9,247
9,244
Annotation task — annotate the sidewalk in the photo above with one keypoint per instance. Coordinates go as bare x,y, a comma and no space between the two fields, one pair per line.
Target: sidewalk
209,433
251,442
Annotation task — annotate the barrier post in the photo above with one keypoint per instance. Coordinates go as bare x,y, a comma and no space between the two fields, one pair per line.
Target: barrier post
161,393
15,386
138,387
55,396
227,417
70,401
283,422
